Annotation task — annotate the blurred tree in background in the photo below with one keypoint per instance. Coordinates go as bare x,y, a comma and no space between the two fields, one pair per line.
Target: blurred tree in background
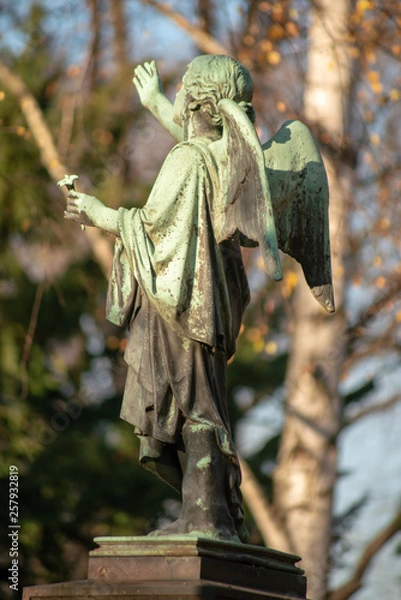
67,105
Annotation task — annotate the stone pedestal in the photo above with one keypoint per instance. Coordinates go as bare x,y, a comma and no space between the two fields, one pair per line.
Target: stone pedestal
180,568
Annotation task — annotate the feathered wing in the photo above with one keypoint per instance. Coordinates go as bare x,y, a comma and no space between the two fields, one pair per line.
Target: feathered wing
276,195
245,204
300,198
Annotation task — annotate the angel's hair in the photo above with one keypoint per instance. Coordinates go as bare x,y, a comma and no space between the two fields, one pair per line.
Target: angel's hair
210,78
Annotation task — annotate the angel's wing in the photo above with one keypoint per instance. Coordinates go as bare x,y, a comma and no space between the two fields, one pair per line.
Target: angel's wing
246,200
300,198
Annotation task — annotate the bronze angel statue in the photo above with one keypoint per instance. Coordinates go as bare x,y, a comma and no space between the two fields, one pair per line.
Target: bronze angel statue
178,281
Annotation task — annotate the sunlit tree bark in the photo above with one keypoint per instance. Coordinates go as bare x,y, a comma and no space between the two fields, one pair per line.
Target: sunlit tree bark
49,155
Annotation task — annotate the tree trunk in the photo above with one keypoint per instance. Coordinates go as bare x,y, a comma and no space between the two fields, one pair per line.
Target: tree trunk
306,471
120,40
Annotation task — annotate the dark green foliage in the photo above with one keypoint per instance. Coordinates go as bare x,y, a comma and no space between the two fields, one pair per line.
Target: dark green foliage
78,466
360,392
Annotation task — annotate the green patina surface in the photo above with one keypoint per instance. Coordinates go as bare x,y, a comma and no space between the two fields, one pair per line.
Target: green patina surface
204,463
179,258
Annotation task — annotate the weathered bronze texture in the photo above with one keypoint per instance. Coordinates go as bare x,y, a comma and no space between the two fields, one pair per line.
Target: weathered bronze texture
178,281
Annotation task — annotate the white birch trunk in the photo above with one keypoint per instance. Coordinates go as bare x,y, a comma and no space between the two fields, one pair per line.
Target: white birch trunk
306,471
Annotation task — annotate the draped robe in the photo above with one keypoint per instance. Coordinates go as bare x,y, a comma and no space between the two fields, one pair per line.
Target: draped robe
184,294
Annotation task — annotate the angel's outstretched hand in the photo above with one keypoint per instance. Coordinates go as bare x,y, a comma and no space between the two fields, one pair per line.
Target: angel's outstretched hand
148,84
82,208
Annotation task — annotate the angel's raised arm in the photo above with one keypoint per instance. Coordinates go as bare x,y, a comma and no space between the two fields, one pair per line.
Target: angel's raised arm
150,90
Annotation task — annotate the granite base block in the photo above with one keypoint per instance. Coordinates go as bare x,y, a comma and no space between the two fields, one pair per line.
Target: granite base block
180,567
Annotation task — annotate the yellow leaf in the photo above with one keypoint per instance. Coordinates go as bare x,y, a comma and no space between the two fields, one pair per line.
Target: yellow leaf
291,278
292,29
289,283
271,347
276,32
374,80
371,55
373,76
266,45
279,12
273,57
253,334
380,282
259,346
398,317
377,87
384,224
394,95
259,263
2,96
363,5
375,139
377,261
264,6
353,51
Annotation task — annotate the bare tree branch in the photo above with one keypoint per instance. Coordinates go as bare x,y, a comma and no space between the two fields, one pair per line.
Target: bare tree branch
380,344
368,410
251,10
49,155
203,40
354,332
376,544
93,54
67,122
29,337
35,120
120,43
271,530
206,15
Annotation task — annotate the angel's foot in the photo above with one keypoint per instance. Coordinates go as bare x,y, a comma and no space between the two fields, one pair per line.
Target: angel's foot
175,528
182,527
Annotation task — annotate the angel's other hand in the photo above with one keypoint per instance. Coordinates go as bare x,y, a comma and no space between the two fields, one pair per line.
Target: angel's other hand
82,208
147,82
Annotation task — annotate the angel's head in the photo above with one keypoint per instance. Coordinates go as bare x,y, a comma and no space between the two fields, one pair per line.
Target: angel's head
210,78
